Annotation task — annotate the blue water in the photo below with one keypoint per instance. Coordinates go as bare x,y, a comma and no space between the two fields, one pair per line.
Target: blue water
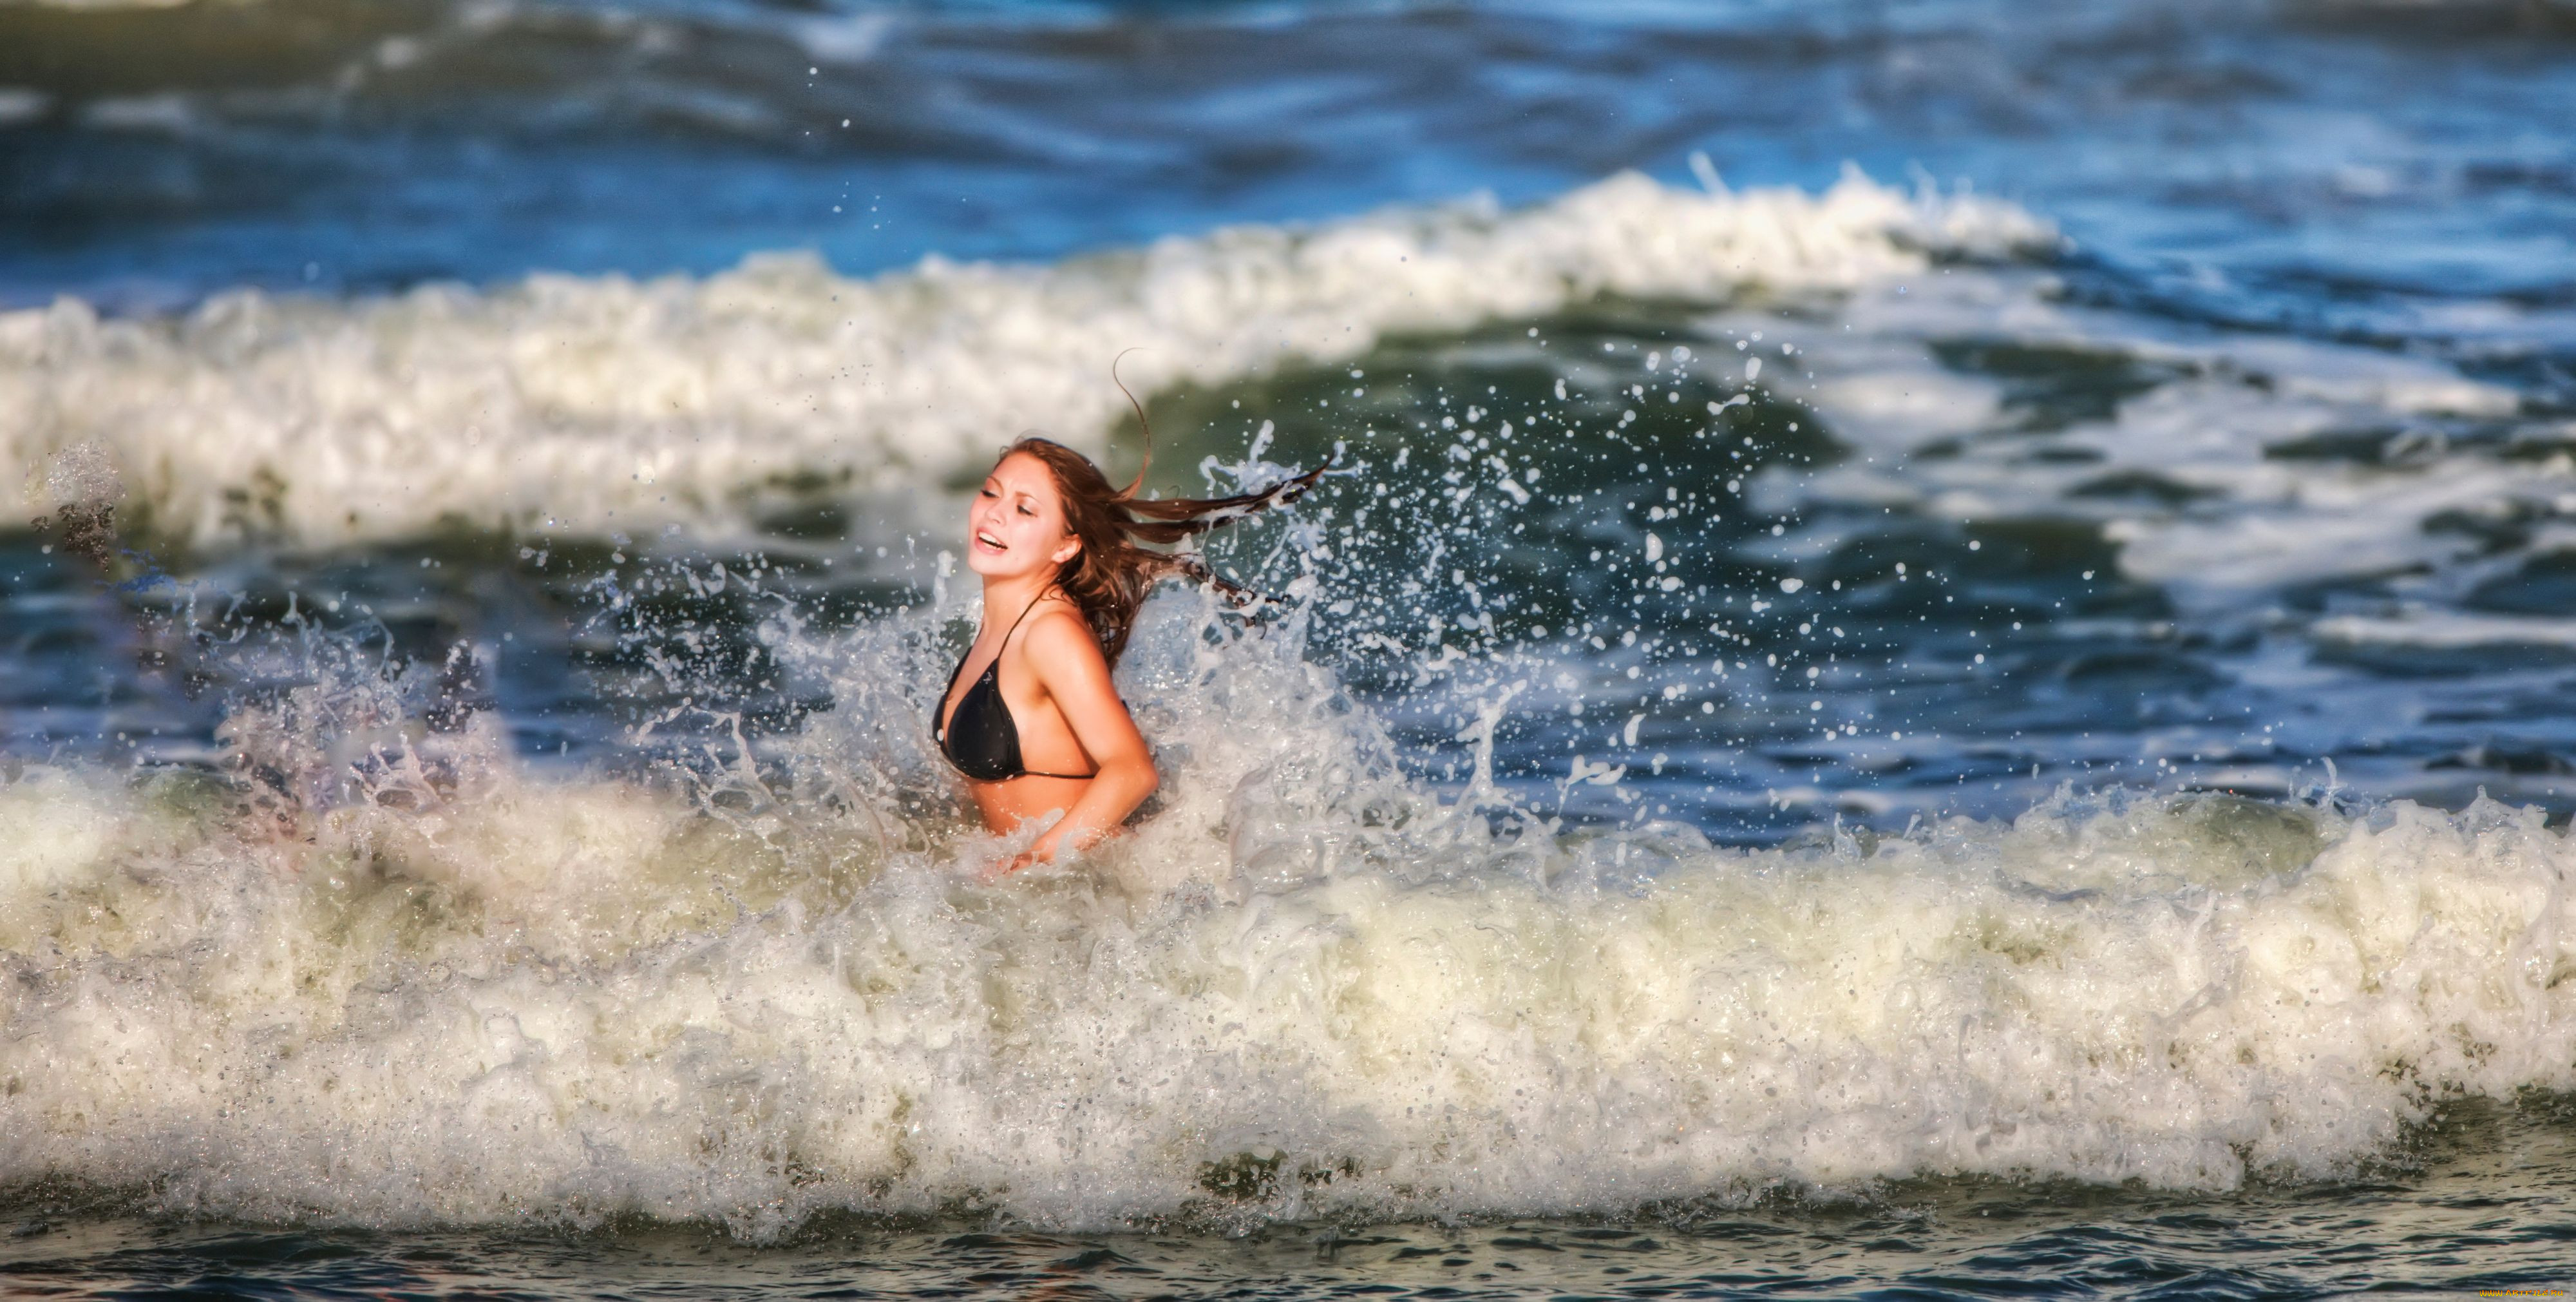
2255,482
2326,160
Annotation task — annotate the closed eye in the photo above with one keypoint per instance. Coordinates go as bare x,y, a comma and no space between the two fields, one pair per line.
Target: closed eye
1024,509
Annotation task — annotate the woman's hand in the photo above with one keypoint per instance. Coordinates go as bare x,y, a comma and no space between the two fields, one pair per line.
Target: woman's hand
1042,850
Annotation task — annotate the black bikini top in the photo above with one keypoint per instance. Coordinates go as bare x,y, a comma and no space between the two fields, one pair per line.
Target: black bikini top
980,739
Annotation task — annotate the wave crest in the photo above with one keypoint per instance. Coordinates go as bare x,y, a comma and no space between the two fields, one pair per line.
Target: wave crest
611,403
1306,984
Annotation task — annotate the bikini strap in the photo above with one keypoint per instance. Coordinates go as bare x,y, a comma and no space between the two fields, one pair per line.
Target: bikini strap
997,674
1024,615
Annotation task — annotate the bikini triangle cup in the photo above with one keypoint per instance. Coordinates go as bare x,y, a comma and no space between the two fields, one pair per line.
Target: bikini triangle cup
981,739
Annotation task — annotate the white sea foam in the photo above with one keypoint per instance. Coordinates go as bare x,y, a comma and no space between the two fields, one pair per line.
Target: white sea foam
2220,520
606,403
2447,631
506,997
18,104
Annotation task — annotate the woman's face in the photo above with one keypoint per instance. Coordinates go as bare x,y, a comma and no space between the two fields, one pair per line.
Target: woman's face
1016,523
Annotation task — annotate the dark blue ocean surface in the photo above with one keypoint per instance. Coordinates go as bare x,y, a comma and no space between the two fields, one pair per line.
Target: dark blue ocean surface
2312,165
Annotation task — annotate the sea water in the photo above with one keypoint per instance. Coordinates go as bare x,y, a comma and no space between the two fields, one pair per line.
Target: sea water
1937,656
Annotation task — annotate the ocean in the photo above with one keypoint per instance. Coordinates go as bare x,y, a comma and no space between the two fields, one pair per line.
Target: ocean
1937,662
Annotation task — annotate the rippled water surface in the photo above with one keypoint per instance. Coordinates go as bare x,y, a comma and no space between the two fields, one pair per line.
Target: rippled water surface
1941,656
2478,1208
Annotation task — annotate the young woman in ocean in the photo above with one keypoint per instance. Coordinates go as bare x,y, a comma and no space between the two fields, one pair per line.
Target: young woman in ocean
1030,717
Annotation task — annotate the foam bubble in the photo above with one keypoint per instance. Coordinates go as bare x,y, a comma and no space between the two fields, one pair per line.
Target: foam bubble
79,475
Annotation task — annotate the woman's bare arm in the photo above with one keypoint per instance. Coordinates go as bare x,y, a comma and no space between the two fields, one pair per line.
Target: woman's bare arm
1061,652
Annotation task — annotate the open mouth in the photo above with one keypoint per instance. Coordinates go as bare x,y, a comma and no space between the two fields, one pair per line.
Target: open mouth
989,540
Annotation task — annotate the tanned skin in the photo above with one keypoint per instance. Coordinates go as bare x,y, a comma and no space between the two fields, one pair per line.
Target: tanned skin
1054,678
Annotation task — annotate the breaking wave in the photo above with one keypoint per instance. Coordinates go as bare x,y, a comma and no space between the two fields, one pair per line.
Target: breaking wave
382,972
607,403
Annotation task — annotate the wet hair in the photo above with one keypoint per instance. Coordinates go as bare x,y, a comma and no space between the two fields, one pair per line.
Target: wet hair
1109,578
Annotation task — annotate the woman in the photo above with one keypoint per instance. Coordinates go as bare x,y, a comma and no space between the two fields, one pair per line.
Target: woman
1030,716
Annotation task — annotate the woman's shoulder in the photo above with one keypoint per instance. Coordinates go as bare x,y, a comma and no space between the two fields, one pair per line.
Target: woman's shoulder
1059,650
1057,627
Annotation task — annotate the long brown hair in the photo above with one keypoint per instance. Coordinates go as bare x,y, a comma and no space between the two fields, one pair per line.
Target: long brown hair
1110,576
